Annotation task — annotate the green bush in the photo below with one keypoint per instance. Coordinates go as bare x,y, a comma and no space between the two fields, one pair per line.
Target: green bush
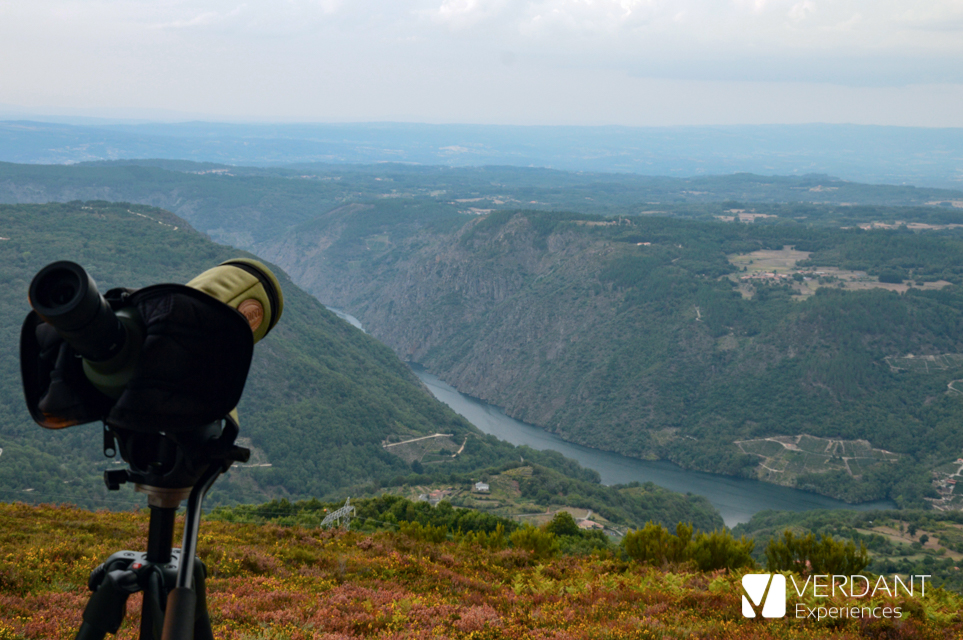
542,544
806,555
426,533
719,550
489,540
563,524
653,544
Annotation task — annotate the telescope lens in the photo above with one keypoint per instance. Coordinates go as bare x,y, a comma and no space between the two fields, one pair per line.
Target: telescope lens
65,296
58,289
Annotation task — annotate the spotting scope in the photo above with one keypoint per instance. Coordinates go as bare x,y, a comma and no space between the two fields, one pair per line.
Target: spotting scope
167,357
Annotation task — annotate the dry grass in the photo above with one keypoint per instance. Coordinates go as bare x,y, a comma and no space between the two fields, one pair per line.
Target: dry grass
783,262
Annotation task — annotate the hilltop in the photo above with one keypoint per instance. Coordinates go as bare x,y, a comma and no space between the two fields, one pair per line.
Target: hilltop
269,581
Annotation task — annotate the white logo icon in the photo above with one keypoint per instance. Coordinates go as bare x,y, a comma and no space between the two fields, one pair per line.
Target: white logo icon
765,591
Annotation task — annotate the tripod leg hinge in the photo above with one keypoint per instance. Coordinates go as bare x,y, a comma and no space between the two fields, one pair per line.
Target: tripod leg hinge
106,608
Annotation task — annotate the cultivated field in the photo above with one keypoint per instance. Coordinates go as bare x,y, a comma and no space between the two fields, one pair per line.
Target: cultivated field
785,458
779,267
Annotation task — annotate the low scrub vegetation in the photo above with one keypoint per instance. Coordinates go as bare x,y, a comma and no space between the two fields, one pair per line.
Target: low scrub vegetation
305,583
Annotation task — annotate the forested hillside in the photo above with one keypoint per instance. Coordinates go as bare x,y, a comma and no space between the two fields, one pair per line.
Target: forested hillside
245,206
712,321
644,336
321,399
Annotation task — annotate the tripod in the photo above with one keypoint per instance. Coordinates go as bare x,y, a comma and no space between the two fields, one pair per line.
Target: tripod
173,580
157,365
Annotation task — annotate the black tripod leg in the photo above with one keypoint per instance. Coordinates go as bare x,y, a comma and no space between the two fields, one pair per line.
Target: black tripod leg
106,608
202,621
182,601
179,618
178,625
87,632
152,617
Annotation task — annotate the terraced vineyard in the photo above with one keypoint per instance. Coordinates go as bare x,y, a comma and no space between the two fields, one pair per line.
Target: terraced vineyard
785,458
925,364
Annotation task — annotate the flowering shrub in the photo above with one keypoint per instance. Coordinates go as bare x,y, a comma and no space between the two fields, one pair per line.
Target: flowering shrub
294,583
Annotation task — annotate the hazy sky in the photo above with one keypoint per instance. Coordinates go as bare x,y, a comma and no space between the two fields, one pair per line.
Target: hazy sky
630,62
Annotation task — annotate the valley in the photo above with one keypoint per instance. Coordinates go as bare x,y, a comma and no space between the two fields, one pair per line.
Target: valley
736,499
669,335
321,402
538,316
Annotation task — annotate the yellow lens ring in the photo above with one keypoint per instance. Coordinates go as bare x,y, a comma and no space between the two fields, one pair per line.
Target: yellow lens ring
248,286
269,281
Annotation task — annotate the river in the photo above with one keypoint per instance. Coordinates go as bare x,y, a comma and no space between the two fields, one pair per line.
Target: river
735,498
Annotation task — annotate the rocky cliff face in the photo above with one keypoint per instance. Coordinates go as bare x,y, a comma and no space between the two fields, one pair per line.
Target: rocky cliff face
638,347
519,318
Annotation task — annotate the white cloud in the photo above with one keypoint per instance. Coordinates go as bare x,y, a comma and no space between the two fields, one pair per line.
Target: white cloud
801,10
200,20
464,14
305,56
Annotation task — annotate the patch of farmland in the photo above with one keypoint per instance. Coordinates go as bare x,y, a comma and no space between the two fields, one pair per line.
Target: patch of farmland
784,458
925,364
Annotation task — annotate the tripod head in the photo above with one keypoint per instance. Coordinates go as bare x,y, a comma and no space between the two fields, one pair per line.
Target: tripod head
166,467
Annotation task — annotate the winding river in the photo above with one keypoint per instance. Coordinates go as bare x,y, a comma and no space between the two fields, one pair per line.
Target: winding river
735,498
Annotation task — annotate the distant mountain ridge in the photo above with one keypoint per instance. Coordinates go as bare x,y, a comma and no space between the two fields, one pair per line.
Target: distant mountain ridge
244,206
875,154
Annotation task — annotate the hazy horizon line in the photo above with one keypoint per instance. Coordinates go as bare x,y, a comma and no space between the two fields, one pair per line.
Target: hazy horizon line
12,116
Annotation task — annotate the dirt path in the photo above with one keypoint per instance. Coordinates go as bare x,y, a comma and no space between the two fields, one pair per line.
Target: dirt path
436,435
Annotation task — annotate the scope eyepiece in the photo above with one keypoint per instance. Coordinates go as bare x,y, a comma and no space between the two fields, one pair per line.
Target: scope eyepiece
65,297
